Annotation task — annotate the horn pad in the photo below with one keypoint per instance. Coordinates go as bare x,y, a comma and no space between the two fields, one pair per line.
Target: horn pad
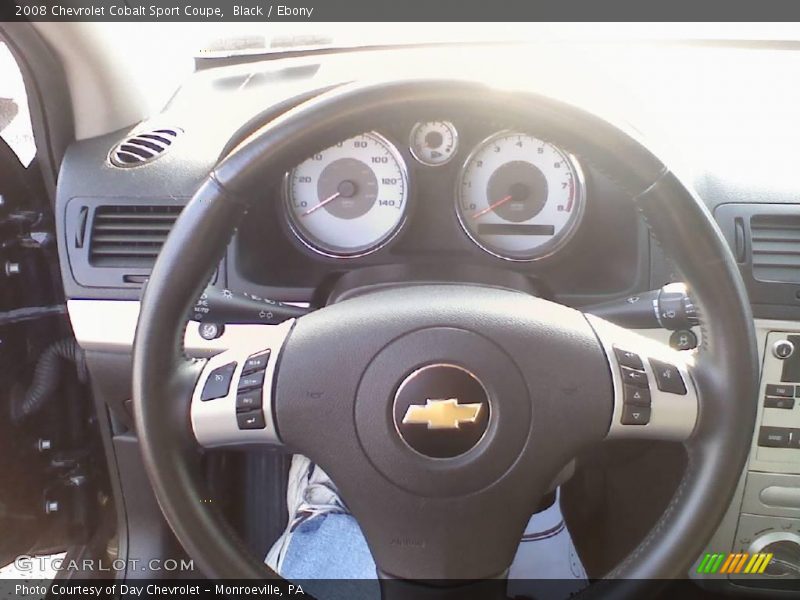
441,364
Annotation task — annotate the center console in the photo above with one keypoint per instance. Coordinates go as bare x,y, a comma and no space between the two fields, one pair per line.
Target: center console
764,517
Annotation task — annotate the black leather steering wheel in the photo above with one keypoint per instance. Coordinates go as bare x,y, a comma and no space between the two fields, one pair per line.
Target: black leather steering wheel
550,380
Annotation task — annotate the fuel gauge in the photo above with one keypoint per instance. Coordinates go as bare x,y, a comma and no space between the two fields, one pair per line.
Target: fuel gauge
434,143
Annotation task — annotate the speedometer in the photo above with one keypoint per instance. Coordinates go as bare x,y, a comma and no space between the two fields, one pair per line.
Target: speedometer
350,199
518,197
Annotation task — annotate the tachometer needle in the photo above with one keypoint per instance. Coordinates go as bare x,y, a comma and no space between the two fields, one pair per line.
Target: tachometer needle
492,206
330,198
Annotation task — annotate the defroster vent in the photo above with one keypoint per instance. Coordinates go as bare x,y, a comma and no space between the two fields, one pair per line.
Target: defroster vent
143,147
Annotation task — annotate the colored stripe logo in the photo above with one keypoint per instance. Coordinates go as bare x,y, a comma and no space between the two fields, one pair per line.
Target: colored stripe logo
724,563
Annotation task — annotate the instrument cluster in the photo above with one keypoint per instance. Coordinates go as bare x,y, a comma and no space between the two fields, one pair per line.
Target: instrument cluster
515,196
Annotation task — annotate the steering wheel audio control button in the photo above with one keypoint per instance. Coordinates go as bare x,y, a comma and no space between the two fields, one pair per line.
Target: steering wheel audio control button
218,382
636,395
252,419
252,381
257,362
634,377
635,415
668,377
629,359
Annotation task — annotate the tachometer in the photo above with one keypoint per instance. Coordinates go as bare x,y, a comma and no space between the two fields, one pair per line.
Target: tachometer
349,199
518,197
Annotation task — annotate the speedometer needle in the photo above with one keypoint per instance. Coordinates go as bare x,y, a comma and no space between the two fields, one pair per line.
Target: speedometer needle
492,206
330,198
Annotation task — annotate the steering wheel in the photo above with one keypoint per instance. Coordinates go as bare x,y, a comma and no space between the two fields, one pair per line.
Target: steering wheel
532,382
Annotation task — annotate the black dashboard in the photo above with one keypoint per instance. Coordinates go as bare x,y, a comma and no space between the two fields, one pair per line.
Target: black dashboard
113,217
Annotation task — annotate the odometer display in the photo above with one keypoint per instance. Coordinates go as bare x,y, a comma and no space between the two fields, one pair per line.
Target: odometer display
349,199
518,197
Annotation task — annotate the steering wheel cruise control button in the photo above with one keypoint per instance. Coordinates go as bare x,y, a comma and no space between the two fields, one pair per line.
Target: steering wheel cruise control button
636,395
635,415
629,359
668,377
634,377
248,400
257,362
252,419
249,382
218,382
784,391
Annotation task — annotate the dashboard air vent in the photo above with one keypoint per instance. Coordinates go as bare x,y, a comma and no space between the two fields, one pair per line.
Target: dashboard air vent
143,147
129,236
775,245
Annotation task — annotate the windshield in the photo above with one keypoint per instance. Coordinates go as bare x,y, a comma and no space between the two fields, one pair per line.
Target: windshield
157,70
204,39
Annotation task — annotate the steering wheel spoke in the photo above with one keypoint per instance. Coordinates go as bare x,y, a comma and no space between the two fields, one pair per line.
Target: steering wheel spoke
232,402
655,396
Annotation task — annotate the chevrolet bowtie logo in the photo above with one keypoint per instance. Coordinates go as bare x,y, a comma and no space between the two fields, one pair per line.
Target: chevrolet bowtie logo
442,414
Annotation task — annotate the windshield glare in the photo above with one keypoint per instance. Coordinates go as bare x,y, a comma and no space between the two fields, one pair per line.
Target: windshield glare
234,38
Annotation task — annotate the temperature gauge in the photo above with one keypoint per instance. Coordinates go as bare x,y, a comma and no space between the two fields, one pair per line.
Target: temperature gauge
434,143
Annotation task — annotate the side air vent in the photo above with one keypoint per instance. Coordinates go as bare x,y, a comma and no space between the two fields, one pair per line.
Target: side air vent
143,147
775,247
765,239
129,236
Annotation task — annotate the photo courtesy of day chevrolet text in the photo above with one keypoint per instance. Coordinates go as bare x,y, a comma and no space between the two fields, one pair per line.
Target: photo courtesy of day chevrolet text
155,590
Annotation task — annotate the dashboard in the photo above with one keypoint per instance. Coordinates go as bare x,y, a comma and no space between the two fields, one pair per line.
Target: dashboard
448,196
598,250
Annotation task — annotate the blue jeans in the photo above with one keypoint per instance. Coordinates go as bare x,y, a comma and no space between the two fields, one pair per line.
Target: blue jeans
324,542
